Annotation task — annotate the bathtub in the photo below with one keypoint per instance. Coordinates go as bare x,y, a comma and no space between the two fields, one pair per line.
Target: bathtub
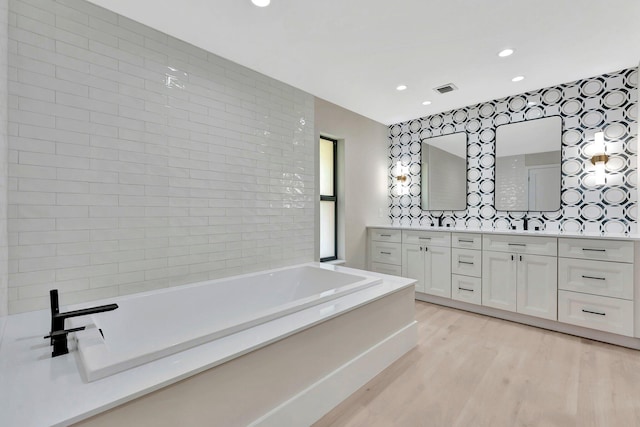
153,325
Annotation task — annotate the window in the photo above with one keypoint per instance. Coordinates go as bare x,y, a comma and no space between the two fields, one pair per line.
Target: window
328,200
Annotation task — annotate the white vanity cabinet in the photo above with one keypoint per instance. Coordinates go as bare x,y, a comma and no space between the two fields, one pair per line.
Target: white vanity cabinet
427,258
596,284
520,275
581,285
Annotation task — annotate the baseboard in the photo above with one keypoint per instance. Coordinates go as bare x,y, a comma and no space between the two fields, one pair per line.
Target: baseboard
318,399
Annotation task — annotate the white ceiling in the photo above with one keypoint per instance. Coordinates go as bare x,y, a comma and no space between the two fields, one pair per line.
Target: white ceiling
355,52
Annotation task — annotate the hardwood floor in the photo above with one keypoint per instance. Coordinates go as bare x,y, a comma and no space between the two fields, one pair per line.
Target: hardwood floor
473,370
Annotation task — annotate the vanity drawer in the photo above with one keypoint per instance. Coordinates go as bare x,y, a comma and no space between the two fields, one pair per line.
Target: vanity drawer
466,261
467,289
434,238
394,270
466,240
520,244
385,235
386,253
600,249
596,312
612,279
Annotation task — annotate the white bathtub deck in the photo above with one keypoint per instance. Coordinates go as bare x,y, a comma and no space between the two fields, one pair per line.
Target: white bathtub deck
38,390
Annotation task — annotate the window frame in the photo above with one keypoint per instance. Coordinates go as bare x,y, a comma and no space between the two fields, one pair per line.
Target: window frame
334,198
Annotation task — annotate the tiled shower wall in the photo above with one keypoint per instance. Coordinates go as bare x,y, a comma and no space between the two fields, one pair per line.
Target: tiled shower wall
603,103
3,165
137,161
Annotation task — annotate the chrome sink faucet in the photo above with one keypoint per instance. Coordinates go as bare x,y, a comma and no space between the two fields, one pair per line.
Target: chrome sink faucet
58,333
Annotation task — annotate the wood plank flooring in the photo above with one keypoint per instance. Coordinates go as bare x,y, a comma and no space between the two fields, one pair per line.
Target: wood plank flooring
473,370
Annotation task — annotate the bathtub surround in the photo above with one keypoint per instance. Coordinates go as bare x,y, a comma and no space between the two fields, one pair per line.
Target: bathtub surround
137,161
328,350
603,103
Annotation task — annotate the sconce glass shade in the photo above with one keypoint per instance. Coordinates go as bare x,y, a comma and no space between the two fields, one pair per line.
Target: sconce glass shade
598,143
599,158
600,173
401,172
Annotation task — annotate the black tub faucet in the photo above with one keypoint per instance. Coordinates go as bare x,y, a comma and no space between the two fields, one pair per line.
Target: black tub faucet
525,223
58,333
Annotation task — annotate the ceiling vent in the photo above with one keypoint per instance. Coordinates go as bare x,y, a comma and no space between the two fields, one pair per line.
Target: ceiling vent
449,87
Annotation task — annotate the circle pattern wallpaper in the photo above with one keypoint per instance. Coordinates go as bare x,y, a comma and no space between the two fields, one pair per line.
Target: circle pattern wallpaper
606,103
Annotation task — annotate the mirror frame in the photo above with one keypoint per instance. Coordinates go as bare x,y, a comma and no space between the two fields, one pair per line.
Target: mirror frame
466,172
495,165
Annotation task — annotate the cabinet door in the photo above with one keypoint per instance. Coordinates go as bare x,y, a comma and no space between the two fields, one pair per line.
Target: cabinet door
538,286
499,280
437,275
413,264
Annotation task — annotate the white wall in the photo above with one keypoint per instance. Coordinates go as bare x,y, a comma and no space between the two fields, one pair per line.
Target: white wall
364,175
137,161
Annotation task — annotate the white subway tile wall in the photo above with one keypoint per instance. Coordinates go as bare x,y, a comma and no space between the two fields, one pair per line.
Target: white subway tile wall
4,305
138,161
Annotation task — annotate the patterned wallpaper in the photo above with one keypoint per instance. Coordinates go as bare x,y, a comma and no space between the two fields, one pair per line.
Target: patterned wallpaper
603,103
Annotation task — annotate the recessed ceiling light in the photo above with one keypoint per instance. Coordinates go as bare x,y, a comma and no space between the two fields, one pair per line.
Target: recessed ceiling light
401,87
517,78
505,53
426,103
261,3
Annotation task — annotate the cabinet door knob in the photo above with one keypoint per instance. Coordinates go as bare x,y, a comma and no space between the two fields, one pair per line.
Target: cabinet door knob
512,258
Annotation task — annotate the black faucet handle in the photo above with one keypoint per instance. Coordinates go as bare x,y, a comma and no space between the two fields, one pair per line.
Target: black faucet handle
56,334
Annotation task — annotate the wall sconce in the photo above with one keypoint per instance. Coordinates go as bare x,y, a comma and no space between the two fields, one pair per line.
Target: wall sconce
402,178
599,158
401,173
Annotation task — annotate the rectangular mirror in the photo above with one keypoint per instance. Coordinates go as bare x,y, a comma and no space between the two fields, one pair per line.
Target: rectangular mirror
444,173
528,157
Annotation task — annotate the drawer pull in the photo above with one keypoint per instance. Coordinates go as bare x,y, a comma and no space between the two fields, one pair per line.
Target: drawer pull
592,277
594,250
465,289
385,253
465,262
465,241
424,238
385,235
594,312
517,244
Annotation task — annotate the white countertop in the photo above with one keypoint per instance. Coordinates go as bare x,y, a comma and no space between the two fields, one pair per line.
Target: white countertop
38,390
542,233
